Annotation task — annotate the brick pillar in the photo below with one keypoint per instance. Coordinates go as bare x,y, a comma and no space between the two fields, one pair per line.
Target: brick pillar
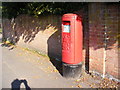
96,36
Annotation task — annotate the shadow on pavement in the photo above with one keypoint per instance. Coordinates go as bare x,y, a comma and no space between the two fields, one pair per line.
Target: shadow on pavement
57,64
15,85
5,45
54,50
11,47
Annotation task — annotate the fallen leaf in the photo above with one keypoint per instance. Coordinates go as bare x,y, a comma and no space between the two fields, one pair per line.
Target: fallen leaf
79,86
55,70
77,80
91,85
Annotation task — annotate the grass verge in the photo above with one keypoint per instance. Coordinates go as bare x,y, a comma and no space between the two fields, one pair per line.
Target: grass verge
27,49
36,52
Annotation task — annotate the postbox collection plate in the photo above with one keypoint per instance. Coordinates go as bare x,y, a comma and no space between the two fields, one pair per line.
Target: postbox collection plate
66,28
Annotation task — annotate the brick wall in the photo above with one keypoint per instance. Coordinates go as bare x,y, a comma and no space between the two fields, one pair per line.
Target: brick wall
111,20
103,41
38,33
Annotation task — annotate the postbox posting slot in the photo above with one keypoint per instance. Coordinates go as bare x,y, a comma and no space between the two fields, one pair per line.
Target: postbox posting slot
66,26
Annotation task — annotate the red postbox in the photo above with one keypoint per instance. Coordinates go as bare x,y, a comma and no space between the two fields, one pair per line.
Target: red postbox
71,44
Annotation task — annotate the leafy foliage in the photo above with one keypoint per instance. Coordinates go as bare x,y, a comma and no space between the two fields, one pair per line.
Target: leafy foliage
13,9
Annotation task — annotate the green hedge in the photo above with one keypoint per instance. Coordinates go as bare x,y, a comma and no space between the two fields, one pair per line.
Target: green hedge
13,9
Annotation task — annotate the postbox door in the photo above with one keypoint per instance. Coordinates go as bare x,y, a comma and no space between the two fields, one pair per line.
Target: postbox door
67,39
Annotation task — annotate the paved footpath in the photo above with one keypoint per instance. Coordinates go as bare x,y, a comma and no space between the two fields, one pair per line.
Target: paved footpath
21,65
37,71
